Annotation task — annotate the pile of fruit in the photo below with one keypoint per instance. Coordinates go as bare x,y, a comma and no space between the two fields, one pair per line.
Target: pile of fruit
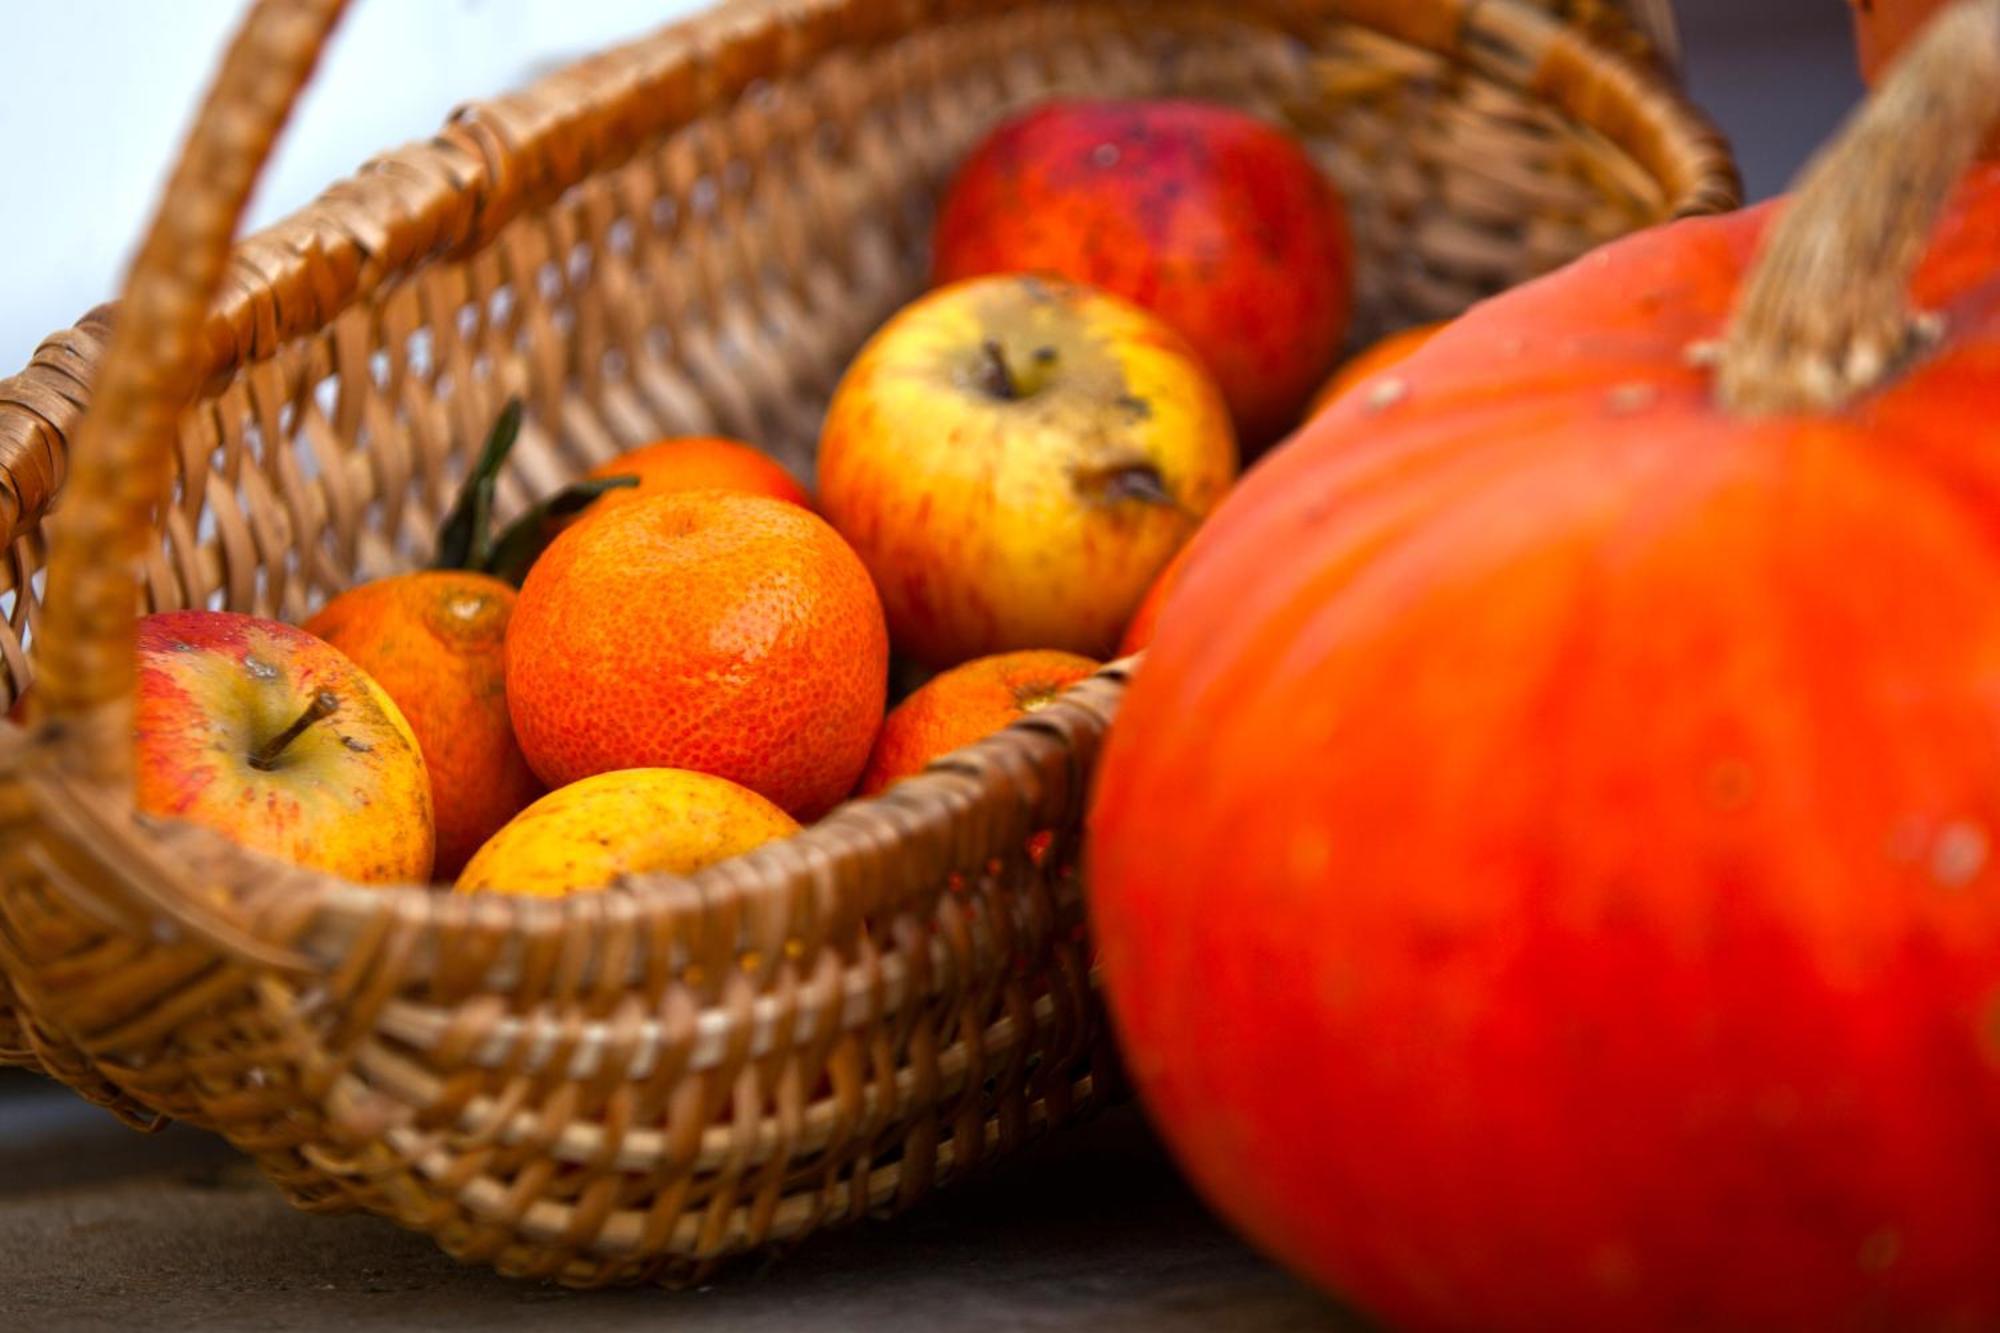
687,653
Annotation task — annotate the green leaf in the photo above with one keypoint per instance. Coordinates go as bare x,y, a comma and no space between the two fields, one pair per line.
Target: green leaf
465,537
524,540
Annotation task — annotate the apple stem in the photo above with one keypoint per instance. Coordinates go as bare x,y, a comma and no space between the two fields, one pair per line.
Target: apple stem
323,706
999,379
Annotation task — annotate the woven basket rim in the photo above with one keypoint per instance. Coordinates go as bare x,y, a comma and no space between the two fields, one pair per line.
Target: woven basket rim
922,810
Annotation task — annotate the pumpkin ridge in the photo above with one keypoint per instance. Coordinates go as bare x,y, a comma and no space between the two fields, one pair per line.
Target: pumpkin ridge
1332,535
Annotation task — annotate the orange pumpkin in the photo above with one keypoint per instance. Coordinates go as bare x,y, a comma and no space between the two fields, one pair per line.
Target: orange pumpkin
1548,869
1140,628
1373,359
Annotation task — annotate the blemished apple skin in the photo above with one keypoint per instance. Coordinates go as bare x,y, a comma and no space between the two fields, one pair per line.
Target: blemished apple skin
1217,221
348,795
1028,507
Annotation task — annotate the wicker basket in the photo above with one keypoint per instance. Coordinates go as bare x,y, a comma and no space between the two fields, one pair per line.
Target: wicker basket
689,233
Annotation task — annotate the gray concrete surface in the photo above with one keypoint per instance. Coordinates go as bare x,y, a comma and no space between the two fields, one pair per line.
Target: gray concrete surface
101,1228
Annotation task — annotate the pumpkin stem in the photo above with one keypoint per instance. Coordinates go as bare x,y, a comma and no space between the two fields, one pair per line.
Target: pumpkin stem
1825,313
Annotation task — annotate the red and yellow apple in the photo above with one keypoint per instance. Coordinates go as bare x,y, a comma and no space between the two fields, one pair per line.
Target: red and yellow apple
1015,458
1210,218
277,741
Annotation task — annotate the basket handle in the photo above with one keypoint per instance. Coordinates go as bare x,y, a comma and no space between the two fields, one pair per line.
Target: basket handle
1825,314
124,444
1655,19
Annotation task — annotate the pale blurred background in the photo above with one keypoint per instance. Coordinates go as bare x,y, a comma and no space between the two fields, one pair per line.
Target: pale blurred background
96,93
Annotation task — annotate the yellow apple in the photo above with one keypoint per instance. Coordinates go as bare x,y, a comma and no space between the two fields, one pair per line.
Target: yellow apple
276,740
1015,458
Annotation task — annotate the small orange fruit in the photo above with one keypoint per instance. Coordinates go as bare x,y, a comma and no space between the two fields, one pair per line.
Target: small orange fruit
730,634
435,641
1370,360
965,704
590,833
698,463
1139,630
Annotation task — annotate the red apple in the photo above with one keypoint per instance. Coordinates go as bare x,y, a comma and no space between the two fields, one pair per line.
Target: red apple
1212,219
276,740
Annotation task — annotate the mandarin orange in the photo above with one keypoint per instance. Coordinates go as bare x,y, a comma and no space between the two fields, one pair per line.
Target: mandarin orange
698,463
965,704
435,641
730,634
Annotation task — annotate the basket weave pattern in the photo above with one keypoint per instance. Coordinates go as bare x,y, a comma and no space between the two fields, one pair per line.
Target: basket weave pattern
691,233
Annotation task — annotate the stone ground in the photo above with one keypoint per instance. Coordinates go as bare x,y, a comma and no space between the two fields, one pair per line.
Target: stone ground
101,1228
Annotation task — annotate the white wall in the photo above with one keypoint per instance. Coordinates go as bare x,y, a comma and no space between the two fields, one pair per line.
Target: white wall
95,95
